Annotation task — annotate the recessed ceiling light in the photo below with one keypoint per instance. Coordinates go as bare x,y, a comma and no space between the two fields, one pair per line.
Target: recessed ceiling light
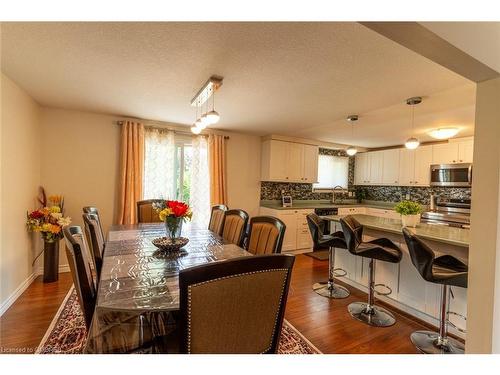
444,133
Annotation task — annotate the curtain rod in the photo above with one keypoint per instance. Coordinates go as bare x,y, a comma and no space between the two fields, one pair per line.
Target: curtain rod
172,130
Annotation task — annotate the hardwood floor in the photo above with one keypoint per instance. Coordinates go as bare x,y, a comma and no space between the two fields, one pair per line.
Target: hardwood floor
23,325
326,323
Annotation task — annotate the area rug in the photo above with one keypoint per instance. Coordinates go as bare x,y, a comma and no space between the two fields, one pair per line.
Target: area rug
319,255
67,333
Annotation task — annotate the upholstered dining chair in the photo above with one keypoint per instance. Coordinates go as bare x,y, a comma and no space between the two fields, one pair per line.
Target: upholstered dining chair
266,235
216,223
95,211
234,306
145,211
96,240
235,225
133,336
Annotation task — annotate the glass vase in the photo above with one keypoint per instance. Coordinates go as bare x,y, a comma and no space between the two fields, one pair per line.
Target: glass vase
173,226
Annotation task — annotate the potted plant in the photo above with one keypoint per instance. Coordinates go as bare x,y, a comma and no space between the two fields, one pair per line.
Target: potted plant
173,214
410,213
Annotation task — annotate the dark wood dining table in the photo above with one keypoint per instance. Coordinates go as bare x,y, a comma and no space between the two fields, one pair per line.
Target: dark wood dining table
138,291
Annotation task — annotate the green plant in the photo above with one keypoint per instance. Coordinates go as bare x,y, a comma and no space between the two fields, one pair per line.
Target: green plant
408,208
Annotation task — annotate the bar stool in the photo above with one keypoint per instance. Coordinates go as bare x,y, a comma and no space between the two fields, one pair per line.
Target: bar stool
381,249
447,271
317,227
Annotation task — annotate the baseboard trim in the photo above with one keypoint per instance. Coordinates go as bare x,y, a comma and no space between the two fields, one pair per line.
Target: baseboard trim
16,293
62,269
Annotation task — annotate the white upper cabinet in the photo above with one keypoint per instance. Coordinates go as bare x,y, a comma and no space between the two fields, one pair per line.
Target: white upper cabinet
423,161
406,167
289,162
390,173
362,169
376,160
456,151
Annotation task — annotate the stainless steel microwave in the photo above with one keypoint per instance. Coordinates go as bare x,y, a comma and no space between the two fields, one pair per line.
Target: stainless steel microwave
458,175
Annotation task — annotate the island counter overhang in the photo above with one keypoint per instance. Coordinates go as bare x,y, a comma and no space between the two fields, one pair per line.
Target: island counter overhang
411,293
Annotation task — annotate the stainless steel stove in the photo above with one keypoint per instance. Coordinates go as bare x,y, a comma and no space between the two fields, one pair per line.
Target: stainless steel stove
452,212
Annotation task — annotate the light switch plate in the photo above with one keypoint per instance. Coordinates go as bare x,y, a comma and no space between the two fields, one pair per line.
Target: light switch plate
407,197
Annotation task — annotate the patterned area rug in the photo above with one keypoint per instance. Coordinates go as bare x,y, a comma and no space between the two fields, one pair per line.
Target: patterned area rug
67,333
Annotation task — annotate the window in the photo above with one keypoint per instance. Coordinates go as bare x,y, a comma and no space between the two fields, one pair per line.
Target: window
183,163
332,171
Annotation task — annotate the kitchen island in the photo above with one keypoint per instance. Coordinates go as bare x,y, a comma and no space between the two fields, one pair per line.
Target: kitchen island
411,293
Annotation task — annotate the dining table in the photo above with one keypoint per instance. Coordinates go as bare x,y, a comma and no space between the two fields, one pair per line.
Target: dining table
138,289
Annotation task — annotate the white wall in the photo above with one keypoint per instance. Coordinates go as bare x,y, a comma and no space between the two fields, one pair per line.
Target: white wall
21,149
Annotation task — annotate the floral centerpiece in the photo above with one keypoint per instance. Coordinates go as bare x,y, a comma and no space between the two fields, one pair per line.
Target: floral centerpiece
49,221
410,213
173,214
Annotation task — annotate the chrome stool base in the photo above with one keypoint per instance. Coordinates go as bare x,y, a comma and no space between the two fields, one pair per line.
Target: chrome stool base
331,290
427,342
375,316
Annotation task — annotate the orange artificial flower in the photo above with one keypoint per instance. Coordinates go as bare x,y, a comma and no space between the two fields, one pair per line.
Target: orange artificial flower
55,229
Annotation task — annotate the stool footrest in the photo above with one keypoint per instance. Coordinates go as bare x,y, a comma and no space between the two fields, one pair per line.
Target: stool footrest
389,290
339,272
454,325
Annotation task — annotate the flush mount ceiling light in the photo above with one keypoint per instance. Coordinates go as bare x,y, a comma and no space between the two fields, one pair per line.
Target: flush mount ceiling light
351,150
443,133
412,143
208,90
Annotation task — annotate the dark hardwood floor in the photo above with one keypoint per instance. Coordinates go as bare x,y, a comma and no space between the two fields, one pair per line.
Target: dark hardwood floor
326,323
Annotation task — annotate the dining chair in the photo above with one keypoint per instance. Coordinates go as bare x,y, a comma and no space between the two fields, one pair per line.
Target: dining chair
145,211
235,225
235,306
265,235
216,223
96,240
130,333
95,211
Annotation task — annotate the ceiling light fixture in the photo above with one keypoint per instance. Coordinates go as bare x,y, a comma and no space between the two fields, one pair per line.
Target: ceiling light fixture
412,143
201,97
196,128
213,115
351,150
444,133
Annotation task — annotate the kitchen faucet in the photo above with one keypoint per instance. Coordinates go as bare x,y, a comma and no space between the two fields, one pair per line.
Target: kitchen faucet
335,190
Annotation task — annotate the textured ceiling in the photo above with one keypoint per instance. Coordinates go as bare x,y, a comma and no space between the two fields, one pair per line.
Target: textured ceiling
281,78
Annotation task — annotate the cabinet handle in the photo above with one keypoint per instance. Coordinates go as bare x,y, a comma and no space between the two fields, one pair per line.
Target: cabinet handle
454,161
460,161
286,178
395,182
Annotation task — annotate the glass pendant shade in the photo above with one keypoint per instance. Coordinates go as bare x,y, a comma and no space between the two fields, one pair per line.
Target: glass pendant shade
198,123
412,143
443,133
195,129
213,117
351,151
204,121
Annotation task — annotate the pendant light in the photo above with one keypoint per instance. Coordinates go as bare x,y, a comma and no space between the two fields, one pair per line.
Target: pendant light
204,121
213,116
412,143
196,129
351,150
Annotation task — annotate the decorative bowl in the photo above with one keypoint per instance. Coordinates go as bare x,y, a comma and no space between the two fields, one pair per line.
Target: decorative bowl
170,244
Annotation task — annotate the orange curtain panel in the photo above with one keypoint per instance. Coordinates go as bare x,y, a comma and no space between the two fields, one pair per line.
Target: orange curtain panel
131,171
217,166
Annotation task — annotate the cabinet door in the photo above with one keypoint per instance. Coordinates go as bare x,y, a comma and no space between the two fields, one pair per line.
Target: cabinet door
310,166
362,169
277,160
406,166
376,161
465,151
445,153
412,287
423,161
289,218
294,161
390,171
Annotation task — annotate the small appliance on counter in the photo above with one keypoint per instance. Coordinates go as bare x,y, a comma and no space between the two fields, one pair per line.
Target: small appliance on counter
452,212
286,200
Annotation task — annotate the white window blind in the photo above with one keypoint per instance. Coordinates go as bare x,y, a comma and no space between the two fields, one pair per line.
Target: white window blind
332,171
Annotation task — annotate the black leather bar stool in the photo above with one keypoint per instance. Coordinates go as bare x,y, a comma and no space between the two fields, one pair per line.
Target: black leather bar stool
318,229
447,271
381,249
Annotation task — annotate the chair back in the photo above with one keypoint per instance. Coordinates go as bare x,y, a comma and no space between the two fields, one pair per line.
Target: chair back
216,223
266,235
146,213
317,229
421,255
95,211
235,225
353,232
79,264
95,238
235,306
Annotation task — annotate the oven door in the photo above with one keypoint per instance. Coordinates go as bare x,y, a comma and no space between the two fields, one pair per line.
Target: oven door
451,175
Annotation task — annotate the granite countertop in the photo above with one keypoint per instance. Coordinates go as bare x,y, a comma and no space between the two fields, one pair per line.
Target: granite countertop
312,204
439,233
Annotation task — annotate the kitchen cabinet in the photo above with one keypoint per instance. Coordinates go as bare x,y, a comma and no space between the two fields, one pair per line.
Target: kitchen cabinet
343,211
297,235
455,151
289,162
381,212
414,166
362,169
376,161
390,172
368,168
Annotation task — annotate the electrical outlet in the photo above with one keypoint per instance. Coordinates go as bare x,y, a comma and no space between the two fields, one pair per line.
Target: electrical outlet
407,196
